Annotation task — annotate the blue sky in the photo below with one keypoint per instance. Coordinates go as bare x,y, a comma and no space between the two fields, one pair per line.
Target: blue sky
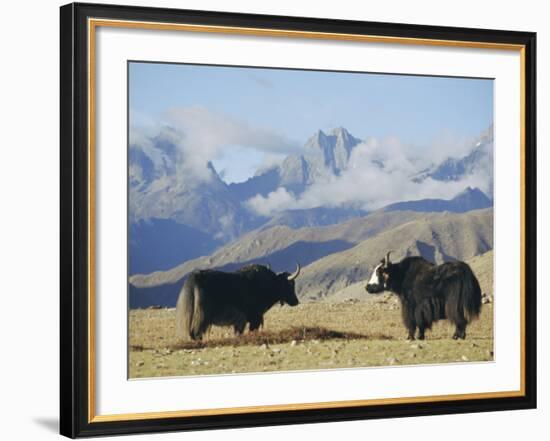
293,104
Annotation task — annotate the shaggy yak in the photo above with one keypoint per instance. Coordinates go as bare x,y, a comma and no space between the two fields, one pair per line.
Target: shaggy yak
211,297
429,292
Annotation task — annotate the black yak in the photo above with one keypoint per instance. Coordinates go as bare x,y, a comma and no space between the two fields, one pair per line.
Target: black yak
211,297
429,292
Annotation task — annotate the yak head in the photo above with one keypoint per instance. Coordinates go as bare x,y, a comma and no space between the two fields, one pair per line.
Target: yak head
286,287
380,279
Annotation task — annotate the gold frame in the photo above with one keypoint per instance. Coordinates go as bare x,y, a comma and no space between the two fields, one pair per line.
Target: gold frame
92,25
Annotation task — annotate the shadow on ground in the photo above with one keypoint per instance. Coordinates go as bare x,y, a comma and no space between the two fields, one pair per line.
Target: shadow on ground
298,334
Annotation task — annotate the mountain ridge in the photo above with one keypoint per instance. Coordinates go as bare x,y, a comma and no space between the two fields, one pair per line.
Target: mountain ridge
467,200
338,256
161,189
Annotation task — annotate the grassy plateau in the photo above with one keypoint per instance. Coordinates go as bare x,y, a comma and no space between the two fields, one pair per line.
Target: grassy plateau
316,335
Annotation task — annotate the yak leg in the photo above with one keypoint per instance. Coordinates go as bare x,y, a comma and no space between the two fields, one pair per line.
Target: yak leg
239,327
411,328
460,331
421,330
408,317
255,323
460,323
424,315
410,323
239,323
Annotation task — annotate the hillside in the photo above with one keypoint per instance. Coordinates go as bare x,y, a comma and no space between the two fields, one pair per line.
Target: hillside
481,265
335,256
467,200
483,268
281,246
171,196
437,238
161,244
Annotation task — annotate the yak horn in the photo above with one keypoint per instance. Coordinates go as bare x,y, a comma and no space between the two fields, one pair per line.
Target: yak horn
387,259
296,273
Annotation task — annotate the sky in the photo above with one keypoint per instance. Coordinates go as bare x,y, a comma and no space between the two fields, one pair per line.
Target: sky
243,119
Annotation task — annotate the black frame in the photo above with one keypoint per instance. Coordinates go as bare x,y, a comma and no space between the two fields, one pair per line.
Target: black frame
74,220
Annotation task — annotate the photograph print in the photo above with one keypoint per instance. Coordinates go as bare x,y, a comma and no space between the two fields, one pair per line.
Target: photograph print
284,219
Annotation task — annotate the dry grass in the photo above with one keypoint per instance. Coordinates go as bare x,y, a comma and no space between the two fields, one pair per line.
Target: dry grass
308,336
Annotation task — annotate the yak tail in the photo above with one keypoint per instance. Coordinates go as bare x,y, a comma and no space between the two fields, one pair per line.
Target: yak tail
189,314
464,300
471,297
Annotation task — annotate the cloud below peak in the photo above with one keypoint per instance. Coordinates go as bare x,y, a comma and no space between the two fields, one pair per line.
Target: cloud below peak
379,173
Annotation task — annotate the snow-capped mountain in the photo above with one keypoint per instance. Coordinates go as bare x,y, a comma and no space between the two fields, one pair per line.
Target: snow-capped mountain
479,159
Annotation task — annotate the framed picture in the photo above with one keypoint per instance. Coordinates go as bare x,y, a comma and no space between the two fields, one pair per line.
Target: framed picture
273,220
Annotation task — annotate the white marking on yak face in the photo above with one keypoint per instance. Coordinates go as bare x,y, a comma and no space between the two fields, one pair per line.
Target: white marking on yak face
375,284
374,279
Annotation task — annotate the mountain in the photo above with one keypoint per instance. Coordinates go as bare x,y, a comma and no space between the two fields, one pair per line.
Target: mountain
313,217
178,214
482,266
332,256
263,244
161,188
324,155
206,205
469,199
438,237
329,152
279,246
478,160
161,244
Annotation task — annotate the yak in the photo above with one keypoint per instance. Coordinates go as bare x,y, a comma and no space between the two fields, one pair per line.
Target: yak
212,297
429,292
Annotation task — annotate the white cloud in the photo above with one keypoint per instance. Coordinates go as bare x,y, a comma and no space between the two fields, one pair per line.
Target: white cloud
201,135
274,202
447,144
206,134
379,173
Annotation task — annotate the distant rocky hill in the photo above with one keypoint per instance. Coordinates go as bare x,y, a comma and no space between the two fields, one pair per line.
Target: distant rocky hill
436,237
313,217
161,244
482,266
335,256
279,246
165,199
469,199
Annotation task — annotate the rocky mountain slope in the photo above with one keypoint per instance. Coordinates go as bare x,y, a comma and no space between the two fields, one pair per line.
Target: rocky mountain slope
164,197
336,256
279,246
438,238
481,265
469,199
480,158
